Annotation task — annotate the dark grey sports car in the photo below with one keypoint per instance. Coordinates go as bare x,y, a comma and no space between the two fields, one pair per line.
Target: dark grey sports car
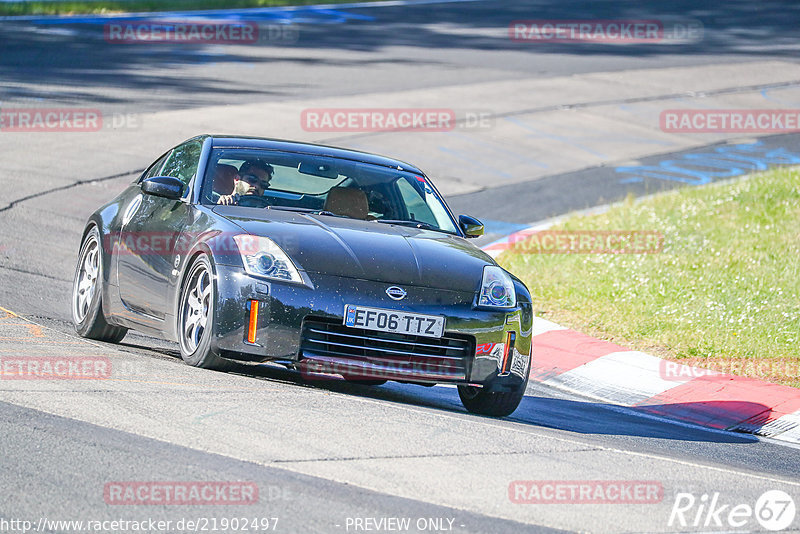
330,261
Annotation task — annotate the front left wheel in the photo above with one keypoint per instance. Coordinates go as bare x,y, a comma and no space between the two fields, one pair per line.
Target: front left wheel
196,317
87,289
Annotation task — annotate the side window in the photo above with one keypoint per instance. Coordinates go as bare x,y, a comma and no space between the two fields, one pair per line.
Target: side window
182,162
155,168
417,207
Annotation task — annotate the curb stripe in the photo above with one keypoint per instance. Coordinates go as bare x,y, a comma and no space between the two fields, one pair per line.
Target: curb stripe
726,402
559,351
785,428
626,377
542,326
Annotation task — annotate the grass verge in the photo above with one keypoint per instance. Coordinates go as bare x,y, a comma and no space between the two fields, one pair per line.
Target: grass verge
723,293
57,7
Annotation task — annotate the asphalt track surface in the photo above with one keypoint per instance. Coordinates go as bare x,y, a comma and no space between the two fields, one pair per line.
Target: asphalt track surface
325,454
364,50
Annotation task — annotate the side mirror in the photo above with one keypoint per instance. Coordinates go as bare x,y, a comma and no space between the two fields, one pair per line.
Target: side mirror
471,226
163,186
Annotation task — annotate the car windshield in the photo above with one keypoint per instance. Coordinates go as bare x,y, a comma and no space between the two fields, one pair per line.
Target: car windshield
325,185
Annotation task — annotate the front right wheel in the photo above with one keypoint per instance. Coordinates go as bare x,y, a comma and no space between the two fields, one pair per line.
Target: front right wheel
494,403
196,317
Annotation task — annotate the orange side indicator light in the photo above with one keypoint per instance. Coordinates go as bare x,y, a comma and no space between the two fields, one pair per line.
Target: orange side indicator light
251,329
508,353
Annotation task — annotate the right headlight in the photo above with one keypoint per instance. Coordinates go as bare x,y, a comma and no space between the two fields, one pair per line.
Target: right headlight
263,257
497,289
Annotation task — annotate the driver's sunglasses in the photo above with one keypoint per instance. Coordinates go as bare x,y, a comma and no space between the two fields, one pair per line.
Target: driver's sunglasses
254,180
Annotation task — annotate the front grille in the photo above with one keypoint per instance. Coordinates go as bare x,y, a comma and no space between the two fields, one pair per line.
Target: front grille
368,353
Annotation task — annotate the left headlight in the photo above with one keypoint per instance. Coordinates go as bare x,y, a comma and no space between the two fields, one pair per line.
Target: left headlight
497,289
262,257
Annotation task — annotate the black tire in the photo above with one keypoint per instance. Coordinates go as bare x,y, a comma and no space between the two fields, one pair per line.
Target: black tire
87,293
196,317
496,404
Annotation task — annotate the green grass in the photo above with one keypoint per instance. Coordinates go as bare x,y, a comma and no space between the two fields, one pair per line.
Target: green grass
57,7
724,291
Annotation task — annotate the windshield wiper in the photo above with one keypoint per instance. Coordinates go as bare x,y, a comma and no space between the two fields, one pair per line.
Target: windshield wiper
412,222
300,210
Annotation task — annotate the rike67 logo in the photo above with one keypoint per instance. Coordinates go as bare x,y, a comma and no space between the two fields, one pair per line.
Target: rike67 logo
774,510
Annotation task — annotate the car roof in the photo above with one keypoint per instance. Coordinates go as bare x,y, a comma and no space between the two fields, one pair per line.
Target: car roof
231,141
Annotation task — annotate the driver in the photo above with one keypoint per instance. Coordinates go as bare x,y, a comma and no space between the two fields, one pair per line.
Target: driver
252,179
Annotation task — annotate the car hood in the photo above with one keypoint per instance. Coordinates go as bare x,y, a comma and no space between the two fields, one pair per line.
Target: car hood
366,249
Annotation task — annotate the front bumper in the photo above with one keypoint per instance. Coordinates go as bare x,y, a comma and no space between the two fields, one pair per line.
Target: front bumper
284,309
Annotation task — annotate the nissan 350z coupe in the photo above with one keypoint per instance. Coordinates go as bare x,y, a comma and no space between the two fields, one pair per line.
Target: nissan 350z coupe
333,262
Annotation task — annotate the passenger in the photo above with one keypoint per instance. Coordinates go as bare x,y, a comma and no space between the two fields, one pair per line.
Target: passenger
225,177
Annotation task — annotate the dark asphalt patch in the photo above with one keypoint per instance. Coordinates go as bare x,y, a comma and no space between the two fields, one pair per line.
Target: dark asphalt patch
560,194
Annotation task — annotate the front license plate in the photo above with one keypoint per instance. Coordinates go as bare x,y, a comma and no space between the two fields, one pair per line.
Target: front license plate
393,321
